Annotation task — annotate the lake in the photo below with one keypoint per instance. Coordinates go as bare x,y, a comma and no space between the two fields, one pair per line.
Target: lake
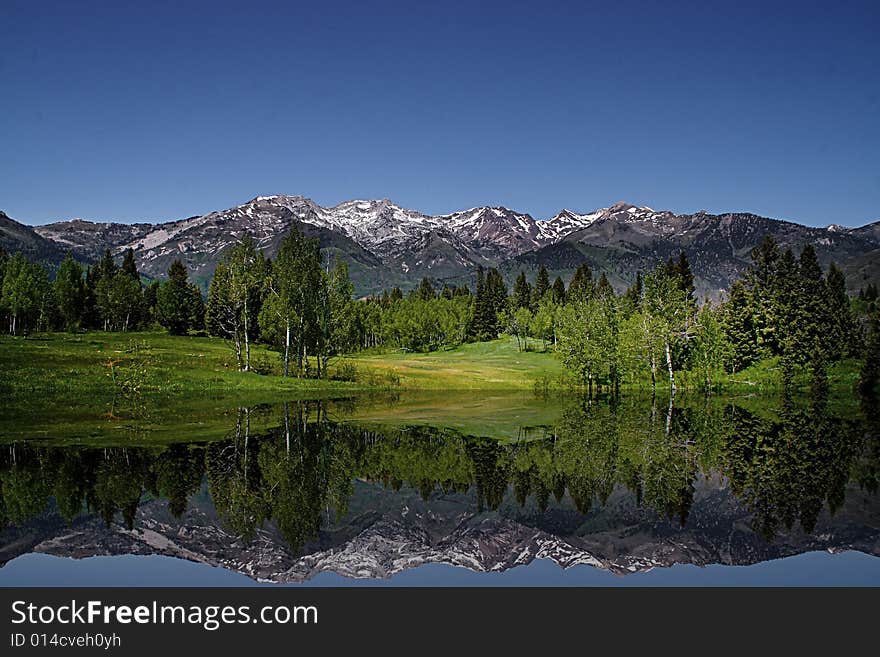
469,490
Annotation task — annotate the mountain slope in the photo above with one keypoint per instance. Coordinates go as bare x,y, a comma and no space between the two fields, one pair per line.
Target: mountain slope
15,237
624,239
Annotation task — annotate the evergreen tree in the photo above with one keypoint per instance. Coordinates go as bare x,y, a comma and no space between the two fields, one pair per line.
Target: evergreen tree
843,338
425,291
870,375
151,293
558,290
179,306
496,293
4,258
90,316
522,292
477,328
70,293
128,265
603,287
812,309
542,286
632,298
581,286
105,268
681,269
781,307
739,328
761,279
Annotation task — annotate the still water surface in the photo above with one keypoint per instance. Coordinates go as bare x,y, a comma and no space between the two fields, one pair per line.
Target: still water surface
493,490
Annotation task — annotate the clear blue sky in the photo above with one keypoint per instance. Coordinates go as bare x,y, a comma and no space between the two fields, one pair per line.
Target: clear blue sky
151,111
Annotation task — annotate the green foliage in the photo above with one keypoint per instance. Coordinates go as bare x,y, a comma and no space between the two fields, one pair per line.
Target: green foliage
522,292
235,297
588,345
26,295
119,301
70,293
490,302
870,374
179,305
581,286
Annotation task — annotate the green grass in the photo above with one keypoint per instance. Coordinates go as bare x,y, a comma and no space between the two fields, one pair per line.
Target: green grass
476,366
59,387
63,363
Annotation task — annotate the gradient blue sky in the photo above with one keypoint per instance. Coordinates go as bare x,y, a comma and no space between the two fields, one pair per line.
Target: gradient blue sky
154,111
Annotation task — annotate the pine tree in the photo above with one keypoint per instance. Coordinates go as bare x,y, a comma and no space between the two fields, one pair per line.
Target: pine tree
105,268
843,336
70,292
740,329
870,375
632,298
681,269
425,291
476,328
812,309
128,265
761,279
558,290
542,286
496,292
581,286
522,292
781,310
603,288
178,302
90,316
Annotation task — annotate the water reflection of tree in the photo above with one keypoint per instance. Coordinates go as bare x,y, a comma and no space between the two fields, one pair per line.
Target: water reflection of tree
787,469
784,466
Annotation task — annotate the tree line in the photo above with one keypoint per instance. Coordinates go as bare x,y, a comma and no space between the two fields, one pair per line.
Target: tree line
784,306
105,296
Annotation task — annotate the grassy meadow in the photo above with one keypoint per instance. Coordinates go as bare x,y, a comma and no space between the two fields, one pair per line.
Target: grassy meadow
153,387
155,362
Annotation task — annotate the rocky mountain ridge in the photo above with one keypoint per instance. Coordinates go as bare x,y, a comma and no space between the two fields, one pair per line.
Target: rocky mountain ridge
386,244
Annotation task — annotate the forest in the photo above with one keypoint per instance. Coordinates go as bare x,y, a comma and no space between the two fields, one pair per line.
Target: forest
785,310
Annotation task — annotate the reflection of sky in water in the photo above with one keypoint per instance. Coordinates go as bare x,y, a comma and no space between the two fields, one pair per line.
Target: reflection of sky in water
810,569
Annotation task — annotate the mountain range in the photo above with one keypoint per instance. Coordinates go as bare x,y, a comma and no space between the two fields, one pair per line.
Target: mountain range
387,245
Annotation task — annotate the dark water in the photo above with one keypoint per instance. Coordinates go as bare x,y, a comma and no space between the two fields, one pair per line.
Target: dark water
501,490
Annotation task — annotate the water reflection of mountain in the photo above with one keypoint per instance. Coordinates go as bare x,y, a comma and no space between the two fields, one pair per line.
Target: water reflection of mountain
625,487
